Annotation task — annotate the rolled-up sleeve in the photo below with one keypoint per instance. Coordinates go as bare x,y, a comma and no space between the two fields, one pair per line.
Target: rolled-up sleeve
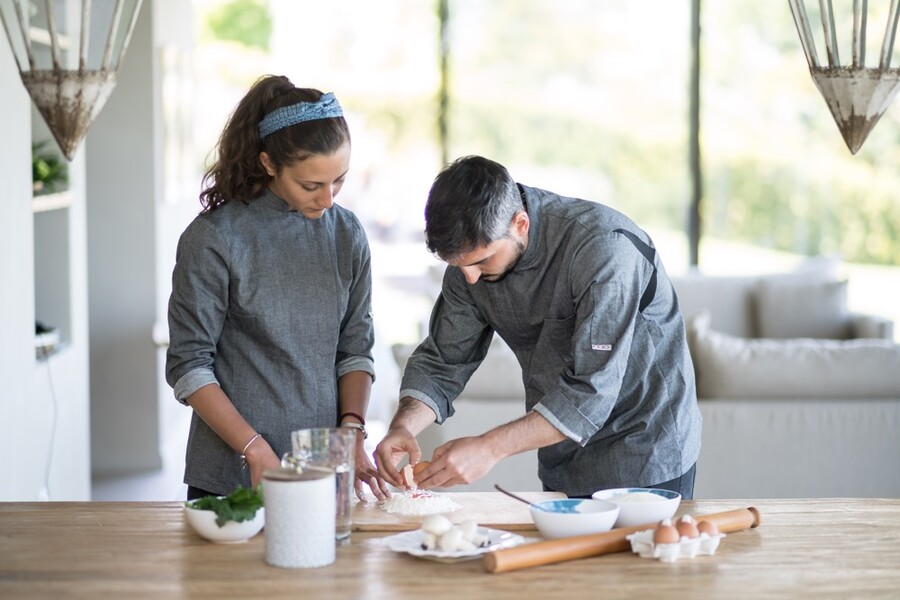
197,308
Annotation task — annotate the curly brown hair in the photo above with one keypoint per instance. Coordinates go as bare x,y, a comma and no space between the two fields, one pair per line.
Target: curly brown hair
237,173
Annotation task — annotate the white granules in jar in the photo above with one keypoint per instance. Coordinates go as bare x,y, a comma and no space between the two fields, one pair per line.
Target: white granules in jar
409,505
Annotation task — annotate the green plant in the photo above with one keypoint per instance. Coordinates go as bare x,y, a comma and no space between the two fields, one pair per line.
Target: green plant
48,170
240,505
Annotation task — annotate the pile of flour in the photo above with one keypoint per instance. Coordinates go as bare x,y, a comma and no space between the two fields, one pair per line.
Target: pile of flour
418,504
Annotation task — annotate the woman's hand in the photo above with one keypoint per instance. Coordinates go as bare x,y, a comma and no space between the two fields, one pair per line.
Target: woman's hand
260,457
366,473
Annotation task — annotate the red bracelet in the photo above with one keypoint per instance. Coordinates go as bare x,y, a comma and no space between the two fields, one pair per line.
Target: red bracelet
352,414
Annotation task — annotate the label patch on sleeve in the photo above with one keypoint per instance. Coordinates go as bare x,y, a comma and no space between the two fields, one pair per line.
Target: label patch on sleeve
604,347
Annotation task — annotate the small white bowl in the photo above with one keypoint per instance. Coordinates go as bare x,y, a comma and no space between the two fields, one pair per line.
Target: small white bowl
232,532
573,516
648,513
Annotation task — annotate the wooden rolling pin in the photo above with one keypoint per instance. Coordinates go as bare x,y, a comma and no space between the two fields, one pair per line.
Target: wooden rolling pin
595,544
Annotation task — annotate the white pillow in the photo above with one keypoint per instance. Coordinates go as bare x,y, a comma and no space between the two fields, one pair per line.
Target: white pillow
498,377
733,367
728,299
804,309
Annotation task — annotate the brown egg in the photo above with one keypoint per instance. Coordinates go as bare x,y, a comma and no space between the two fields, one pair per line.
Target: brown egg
411,472
406,476
687,527
708,527
665,533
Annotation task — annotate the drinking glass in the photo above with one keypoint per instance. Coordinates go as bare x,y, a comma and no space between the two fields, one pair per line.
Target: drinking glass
333,448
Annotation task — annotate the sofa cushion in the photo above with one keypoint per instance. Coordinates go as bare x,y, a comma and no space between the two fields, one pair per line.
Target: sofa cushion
733,367
871,326
802,309
727,299
498,377
730,299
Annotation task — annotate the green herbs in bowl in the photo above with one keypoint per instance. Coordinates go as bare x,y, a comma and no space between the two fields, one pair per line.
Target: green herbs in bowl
227,519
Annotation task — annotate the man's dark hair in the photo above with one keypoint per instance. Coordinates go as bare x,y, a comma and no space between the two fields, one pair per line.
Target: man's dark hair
471,203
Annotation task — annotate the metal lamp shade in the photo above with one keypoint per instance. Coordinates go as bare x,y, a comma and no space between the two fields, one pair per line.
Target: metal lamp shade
68,53
856,95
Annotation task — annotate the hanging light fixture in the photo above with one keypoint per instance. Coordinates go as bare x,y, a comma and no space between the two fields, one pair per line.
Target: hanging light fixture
856,95
68,53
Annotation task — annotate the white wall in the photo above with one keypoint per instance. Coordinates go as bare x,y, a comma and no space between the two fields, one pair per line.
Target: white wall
122,190
132,230
116,240
43,404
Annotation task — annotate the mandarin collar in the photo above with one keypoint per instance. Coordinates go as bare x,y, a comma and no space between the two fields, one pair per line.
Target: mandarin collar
274,202
533,201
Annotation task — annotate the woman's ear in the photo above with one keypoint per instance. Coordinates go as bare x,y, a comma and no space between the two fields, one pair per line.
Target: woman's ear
267,164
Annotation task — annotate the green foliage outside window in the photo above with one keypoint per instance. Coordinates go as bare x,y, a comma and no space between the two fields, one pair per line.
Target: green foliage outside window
777,172
245,22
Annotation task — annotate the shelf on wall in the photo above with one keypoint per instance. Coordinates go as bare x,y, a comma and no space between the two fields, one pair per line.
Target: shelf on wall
55,201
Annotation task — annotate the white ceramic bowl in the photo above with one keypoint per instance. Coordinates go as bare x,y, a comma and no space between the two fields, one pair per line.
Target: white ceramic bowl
640,509
204,523
573,516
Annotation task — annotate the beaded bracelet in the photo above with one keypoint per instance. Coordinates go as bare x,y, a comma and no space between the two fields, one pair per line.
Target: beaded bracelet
354,415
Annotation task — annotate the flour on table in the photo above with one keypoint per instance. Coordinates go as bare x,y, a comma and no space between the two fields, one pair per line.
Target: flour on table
418,504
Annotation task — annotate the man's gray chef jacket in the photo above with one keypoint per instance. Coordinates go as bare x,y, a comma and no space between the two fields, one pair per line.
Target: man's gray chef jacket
617,381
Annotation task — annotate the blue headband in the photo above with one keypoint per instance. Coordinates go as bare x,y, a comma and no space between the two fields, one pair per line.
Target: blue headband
326,107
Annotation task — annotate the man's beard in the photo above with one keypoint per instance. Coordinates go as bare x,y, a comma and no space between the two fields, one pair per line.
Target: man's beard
520,250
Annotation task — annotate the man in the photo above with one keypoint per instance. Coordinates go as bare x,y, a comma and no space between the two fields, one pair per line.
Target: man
579,294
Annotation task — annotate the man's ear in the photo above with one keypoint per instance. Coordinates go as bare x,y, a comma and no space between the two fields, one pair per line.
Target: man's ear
521,223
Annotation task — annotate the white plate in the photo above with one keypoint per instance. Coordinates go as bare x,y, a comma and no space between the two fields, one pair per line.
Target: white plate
411,543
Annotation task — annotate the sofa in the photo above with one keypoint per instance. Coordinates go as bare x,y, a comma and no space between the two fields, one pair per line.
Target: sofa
799,396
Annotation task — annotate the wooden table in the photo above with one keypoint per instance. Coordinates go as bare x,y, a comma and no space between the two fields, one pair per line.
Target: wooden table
831,548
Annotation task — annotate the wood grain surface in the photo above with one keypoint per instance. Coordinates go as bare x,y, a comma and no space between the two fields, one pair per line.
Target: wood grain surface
817,548
489,509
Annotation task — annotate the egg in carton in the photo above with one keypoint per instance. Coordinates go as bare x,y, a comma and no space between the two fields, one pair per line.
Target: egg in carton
670,541
439,533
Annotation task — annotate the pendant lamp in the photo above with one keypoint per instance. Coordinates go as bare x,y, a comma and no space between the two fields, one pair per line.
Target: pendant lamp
856,95
68,53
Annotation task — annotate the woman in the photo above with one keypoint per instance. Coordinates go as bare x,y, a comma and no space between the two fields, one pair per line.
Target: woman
269,319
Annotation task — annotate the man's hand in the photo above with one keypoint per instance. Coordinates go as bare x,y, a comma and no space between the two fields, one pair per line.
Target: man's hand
468,459
411,418
459,461
398,442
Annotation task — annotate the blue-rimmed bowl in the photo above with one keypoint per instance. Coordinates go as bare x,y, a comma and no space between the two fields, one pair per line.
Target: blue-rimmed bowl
571,516
641,506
